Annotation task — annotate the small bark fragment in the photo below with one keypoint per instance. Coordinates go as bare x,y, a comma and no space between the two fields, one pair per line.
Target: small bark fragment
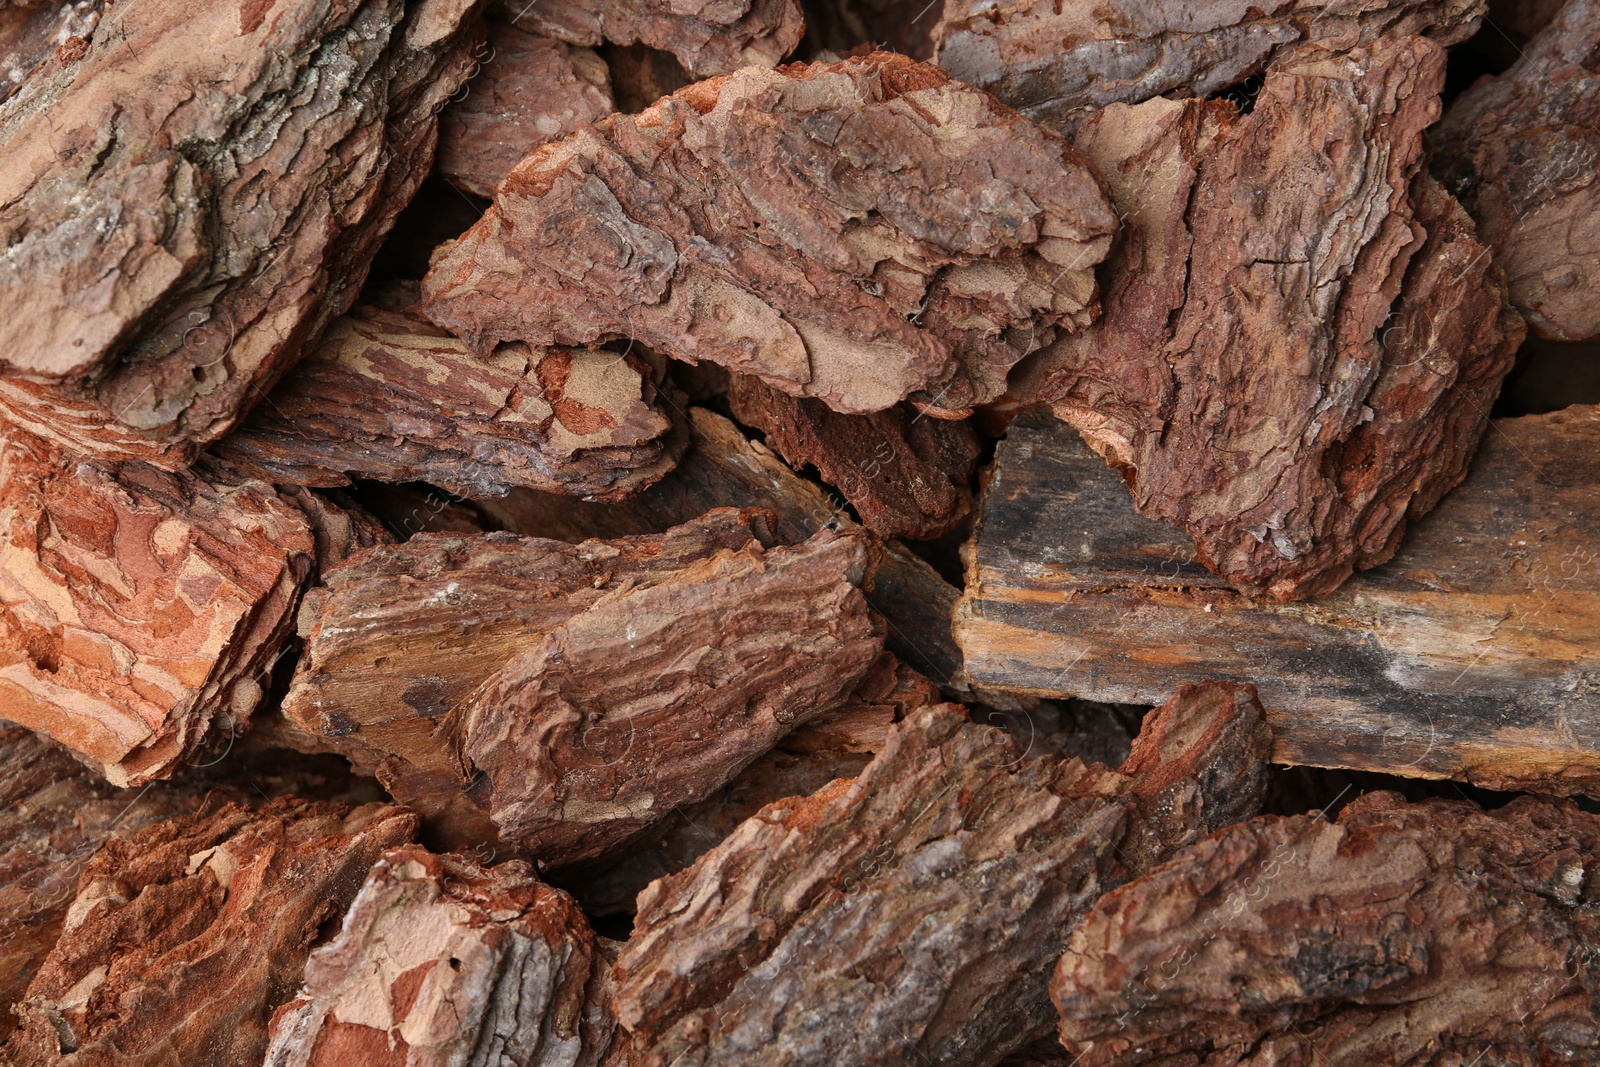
391,397
1402,933
1472,654
441,961
1059,62
139,609
906,475
166,288
913,915
710,38
858,232
1284,377
1522,151
656,696
530,90
184,937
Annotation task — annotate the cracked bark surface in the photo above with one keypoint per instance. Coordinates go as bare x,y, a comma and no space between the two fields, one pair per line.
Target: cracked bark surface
906,475
441,961
913,914
718,226
1397,934
1287,379
710,37
267,157
389,396
216,910
1536,196
139,609
655,696
530,90
1061,62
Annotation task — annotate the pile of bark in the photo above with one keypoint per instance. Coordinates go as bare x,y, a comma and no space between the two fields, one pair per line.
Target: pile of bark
607,532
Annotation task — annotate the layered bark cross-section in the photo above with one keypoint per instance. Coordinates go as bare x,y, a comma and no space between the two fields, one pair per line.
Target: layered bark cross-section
193,191
139,609
912,915
1287,377
860,232
185,937
1536,195
389,396
1059,62
711,37
441,961
1401,933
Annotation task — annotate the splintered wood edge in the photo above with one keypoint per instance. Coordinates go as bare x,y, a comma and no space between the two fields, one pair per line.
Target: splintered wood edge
1473,654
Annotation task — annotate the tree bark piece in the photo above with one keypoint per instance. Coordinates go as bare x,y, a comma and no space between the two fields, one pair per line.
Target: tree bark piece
531,90
1288,378
146,333
907,475
719,225
1536,195
389,396
1470,655
441,961
912,915
401,634
1402,933
654,697
712,38
139,609
184,937
1058,63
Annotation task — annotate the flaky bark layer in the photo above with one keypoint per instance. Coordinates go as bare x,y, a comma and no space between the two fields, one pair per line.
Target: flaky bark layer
389,396
655,697
441,961
860,233
185,937
1061,61
907,475
912,915
139,610
1287,377
193,192
1522,150
712,37
1399,934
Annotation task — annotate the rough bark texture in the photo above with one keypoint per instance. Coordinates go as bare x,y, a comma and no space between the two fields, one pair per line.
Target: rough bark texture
184,937
1472,654
1401,934
912,915
139,610
713,37
442,962
31,33
193,193
1522,151
858,232
906,475
389,396
1059,62
1285,376
836,744
401,634
656,696
529,91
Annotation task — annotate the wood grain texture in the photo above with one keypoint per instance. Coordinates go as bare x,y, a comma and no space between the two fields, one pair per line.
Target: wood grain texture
140,610
193,193
1536,195
719,226
1398,934
1471,654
